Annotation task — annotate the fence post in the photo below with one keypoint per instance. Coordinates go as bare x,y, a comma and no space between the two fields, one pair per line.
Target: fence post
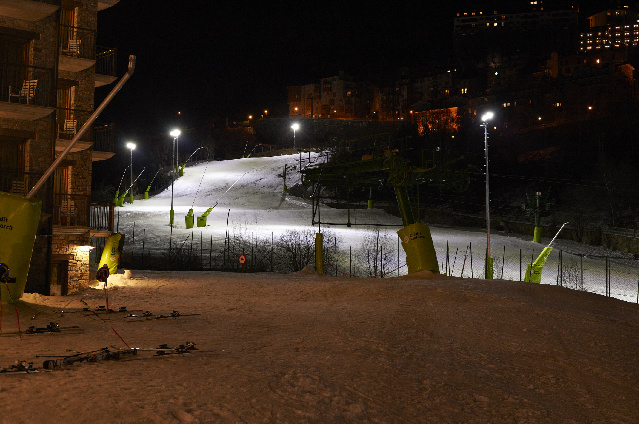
581,279
319,253
519,264
472,274
608,277
350,261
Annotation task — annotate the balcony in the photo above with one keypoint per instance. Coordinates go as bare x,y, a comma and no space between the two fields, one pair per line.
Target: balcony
103,141
105,4
68,124
26,92
17,182
105,66
101,220
70,213
28,10
77,48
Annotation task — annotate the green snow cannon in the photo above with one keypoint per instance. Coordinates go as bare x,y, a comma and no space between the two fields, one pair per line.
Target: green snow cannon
146,193
533,270
116,199
121,199
181,170
19,218
418,245
201,220
188,219
112,251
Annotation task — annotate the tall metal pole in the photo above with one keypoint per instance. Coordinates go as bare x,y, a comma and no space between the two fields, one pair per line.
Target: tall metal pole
172,213
487,192
131,192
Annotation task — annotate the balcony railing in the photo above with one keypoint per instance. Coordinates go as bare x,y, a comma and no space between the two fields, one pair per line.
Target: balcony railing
18,182
77,42
102,216
106,61
69,122
71,210
103,137
26,84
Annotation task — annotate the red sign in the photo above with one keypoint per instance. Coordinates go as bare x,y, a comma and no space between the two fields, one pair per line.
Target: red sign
242,259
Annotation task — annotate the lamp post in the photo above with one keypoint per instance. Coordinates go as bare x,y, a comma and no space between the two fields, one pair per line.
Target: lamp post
132,147
175,134
295,127
489,262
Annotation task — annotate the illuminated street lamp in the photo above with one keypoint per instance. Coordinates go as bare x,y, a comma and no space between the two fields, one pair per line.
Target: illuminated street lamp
295,127
489,262
132,147
175,134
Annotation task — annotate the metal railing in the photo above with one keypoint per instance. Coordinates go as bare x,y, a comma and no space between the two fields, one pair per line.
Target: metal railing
103,137
18,182
77,42
106,61
102,216
27,84
71,210
69,122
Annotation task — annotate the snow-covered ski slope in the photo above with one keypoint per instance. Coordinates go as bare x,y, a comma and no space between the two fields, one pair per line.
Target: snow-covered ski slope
249,198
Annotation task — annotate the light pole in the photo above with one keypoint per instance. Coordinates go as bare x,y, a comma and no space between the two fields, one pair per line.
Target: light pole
175,134
132,147
489,262
294,127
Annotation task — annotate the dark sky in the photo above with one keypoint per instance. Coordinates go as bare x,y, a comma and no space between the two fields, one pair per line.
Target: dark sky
210,58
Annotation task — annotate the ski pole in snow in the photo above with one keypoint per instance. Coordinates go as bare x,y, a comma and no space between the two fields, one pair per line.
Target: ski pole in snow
103,320
5,278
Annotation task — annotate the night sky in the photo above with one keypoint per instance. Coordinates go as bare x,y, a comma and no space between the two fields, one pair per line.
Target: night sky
210,59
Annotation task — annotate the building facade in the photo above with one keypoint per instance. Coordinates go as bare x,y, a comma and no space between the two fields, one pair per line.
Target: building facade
49,69
609,30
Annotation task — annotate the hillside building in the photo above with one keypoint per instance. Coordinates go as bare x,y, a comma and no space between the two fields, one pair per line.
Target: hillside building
49,69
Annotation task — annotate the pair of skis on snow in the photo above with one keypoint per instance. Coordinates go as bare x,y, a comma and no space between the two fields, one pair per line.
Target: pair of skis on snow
105,354
151,315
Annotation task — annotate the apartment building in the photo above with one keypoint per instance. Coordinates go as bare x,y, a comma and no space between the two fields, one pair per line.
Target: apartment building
337,97
611,29
49,69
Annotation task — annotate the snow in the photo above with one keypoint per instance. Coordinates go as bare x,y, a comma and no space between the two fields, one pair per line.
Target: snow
309,348
248,197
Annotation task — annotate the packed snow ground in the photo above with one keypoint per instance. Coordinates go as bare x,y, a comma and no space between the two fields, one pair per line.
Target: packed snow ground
309,348
249,198
305,348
